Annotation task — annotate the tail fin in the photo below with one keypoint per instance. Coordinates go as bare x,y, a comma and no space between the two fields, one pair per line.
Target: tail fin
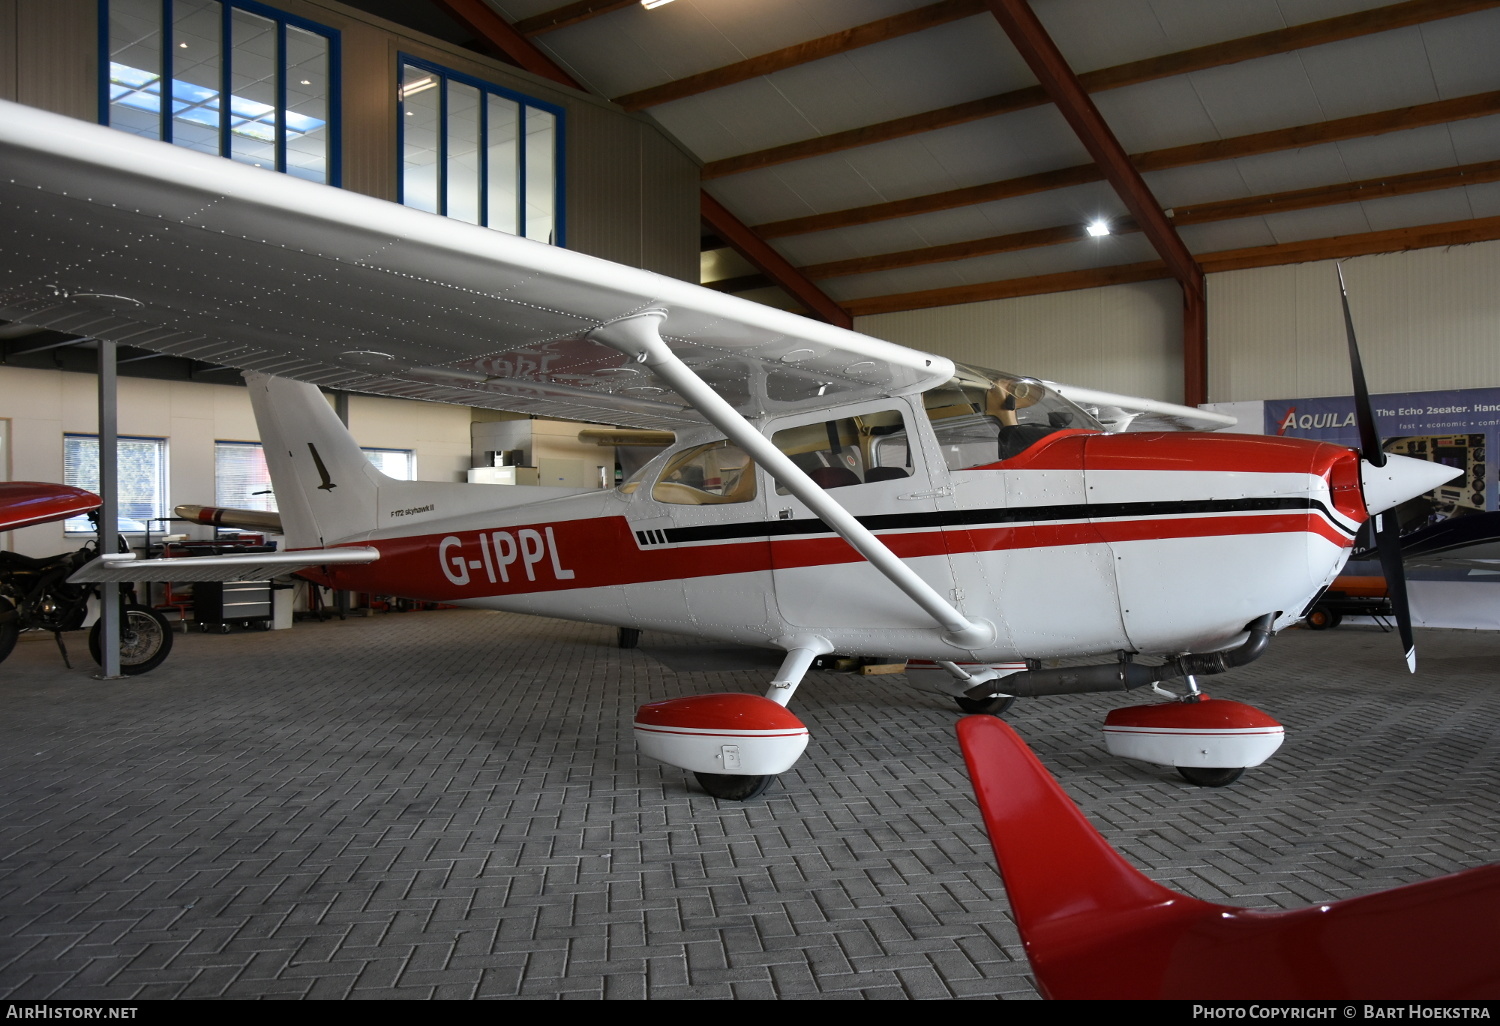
326,489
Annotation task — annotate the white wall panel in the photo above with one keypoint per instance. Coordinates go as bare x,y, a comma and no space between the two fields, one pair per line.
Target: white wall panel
1125,338
1427,319
43,405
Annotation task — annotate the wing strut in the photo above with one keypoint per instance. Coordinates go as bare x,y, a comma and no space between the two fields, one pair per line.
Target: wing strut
639,336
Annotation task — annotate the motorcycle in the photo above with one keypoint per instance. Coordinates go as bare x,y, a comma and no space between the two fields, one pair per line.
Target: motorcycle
35,595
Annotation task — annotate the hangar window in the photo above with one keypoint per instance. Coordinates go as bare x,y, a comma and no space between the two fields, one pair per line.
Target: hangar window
241,480
142,478
479,153
278,72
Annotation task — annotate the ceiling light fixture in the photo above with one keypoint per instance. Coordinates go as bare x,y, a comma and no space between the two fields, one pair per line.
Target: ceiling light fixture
650,4
1098,228
419,86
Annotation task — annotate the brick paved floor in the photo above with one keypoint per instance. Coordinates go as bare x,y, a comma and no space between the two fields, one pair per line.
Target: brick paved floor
448,804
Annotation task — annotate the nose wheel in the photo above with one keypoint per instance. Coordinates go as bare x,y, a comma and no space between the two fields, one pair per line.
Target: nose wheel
1205,776
996,705
733,787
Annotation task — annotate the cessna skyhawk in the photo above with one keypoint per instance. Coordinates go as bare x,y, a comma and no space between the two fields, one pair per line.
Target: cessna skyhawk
826,491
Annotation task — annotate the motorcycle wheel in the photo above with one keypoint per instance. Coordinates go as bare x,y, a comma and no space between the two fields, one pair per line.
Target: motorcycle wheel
145,640
10,627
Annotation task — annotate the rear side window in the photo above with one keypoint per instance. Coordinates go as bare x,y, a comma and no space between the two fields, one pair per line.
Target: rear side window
852,450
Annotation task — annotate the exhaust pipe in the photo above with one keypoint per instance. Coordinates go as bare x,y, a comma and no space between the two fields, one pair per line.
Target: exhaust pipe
1125,675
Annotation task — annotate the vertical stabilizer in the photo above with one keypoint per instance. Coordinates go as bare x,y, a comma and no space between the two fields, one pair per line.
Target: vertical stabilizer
326,489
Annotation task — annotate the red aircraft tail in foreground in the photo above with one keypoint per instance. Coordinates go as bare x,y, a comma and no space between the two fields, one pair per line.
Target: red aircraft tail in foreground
1095,927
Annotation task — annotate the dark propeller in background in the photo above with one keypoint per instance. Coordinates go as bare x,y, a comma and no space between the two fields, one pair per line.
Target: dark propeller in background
1387,528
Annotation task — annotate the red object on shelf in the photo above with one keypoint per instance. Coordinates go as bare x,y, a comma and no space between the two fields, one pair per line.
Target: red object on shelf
1095,927
24,503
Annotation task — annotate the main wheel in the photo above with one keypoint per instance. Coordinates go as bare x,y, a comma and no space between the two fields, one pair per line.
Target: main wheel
1206,776
629,637
10,627
732,786
996,705
145,640
1322,618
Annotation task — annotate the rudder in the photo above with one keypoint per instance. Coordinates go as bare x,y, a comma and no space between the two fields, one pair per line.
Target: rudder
326,490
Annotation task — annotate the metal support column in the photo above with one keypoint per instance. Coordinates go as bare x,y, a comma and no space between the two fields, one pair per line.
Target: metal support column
341,407
109,512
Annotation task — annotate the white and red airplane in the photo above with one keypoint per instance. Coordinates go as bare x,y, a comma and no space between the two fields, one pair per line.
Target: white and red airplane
826,491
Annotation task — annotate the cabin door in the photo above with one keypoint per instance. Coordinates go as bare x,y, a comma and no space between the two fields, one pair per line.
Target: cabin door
863,457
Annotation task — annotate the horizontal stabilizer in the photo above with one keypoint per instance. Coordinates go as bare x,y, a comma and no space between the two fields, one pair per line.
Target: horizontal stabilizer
248,566
1095,927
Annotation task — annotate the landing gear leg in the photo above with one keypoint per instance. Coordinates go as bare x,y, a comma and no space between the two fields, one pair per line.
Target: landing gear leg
736,787
994,705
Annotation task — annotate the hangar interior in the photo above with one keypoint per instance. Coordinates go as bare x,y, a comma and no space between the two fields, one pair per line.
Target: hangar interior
887,165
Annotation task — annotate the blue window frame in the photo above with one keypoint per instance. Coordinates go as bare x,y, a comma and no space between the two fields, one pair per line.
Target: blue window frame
279,72
473,151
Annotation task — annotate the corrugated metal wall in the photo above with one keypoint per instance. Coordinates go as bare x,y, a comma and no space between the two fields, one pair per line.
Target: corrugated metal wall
632,193
1426,319
1126,338
8,34
54,56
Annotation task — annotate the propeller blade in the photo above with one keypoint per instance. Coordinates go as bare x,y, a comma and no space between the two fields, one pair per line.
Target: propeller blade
1388,540
1388,527
1364,411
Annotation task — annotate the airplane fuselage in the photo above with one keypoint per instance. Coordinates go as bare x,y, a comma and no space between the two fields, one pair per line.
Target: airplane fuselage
1084,543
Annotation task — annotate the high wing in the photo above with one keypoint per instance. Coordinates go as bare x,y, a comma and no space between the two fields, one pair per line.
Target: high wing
24,503
142,243
1130,413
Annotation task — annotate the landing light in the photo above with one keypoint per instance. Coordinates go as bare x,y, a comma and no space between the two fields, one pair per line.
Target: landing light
1098,228
649,4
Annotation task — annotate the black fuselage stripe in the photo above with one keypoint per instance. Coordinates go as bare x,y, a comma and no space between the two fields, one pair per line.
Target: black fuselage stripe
1002,517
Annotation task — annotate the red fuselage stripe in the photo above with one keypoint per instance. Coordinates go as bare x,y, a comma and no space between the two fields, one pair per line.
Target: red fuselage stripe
602,552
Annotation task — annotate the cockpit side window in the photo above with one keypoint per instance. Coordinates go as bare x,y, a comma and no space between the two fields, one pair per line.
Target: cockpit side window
982,416
862,449
713,474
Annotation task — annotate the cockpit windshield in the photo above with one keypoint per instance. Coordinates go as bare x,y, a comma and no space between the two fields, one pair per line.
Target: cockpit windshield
983,416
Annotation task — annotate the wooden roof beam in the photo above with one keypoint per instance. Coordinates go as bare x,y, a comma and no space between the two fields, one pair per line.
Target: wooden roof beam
480,18
813,50
569,14
1358,126
1072,101
1395,240
1198,213
772,264
1213,55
